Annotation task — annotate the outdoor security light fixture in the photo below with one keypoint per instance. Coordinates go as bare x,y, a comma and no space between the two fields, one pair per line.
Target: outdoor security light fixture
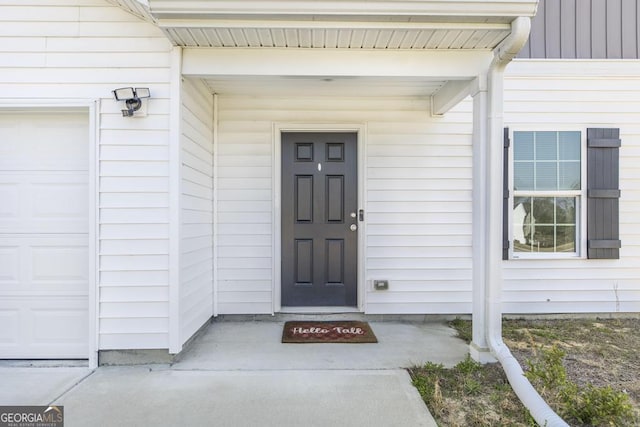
132,98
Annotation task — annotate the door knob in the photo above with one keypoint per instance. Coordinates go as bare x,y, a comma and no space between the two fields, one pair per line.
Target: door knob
353,227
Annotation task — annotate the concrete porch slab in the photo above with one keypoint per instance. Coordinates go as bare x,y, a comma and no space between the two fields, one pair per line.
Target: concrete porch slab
240,374
143,396
37,385
255,345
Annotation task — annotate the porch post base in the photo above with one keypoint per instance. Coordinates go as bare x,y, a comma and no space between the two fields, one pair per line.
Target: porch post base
481,354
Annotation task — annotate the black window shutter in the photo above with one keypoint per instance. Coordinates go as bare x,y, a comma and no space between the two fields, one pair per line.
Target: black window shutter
603,193
505,195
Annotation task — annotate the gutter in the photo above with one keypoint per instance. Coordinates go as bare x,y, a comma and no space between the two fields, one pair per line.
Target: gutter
503,54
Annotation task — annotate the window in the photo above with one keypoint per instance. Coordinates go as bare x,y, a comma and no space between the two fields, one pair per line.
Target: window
566,194
547,193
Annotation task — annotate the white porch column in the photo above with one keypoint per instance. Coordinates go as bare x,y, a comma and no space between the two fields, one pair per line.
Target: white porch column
488,151
487,212
479,348
493,179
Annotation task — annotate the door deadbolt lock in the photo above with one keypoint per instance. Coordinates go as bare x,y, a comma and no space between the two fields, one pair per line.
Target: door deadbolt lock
353,227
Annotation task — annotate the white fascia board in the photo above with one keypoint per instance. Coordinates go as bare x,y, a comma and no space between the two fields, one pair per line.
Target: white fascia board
415,8
330,24
437,65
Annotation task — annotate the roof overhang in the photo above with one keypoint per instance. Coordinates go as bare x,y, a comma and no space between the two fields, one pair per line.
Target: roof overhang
354,24
335,34
365,44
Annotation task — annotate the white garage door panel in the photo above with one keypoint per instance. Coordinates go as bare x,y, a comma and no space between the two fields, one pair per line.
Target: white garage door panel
10,196
55,328
47,141
59,265
9,266
10,330
39,264
44,202
44,223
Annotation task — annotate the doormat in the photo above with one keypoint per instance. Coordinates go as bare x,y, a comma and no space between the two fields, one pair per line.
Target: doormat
348,332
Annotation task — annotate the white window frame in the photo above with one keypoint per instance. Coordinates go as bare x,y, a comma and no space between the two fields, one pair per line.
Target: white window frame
580,195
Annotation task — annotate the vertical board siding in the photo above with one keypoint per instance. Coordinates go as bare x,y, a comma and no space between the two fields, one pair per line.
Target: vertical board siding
83,49
582,29
418,200
567,27
579,102
196,245
552,24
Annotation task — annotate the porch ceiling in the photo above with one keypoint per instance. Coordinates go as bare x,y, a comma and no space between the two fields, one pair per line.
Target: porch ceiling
238,46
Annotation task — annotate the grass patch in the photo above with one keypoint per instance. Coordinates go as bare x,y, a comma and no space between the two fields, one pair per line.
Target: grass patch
587,370
469,394
463,327
589,406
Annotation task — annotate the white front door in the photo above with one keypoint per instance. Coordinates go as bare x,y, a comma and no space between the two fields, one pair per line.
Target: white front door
44,224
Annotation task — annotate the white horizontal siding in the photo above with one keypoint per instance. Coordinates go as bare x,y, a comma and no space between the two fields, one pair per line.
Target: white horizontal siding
196,244
245,211
418,213
418,200
546,95
83,49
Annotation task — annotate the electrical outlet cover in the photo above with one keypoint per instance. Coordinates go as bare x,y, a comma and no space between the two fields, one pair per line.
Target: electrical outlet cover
381,285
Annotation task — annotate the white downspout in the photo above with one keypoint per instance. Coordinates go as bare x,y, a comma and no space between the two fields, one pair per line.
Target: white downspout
503,54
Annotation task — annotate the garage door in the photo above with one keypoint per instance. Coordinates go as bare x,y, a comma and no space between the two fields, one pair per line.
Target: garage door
44,235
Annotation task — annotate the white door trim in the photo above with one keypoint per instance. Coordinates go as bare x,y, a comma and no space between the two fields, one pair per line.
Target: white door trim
91,107
358,128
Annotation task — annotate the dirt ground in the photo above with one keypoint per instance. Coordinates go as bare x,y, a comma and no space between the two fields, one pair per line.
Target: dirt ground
598,351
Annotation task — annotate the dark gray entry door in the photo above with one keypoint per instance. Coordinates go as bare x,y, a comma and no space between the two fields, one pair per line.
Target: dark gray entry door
319,219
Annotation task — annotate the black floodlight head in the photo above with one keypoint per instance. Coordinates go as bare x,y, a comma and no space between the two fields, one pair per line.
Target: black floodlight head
132,98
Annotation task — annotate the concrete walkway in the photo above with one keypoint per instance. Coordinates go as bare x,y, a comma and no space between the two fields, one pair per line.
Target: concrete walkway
239,374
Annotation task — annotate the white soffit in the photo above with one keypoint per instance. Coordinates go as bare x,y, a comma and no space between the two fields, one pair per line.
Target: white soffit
337,35
346,24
